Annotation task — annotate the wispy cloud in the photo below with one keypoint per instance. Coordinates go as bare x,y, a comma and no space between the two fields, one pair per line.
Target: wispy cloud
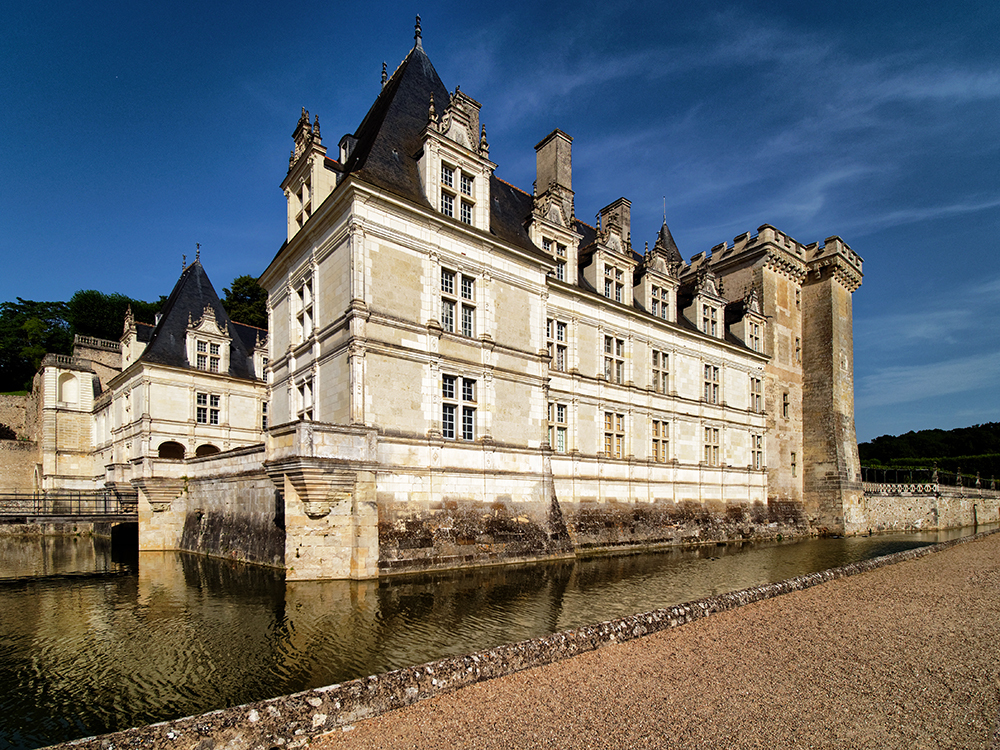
896,385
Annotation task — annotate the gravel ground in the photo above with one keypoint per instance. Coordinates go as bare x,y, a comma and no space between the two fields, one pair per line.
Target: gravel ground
901,657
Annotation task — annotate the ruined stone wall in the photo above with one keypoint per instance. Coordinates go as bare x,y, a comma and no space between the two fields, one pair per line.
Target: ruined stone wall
928,507
14,413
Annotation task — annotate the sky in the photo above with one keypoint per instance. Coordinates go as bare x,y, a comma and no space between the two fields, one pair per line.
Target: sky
132,132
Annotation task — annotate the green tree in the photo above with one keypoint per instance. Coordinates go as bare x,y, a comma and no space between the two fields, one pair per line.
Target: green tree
28,331
94,313
246,301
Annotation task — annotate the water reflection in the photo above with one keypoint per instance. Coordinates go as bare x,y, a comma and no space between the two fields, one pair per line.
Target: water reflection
187,634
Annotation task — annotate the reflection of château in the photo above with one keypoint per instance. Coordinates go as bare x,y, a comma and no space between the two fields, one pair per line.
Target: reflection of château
462,372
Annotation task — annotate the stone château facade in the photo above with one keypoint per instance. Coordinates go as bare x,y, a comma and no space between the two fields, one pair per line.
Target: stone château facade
461,372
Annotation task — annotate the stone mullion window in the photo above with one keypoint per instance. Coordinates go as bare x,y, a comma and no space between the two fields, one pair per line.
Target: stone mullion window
557,334
614,435
660,433
458,407
711,384
756,451
756,395
558,428
661,374
208,407
614,359
711,455
457,186
458,310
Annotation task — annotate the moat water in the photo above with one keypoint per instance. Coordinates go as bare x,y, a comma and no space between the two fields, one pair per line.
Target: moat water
90,643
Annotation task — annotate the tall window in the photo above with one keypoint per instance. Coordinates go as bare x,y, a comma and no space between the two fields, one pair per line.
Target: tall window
661,434
614,434
712,446
756,395
560,261
614,285
784,405
458,293
709,320
757,451
614,359
458,402
794,465
304,317
712,384
659,305
306,399
263,415
660,371
556,335
207,407
457,187
755,343
557,427
798,349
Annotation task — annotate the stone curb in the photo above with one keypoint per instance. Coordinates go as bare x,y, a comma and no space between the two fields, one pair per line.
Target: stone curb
293,720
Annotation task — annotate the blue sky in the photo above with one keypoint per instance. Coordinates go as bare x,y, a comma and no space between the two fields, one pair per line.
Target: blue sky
131,133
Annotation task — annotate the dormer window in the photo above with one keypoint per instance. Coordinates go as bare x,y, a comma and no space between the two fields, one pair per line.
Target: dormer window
466,185
458,205
208,356
614,287
447,176
709,320
754,337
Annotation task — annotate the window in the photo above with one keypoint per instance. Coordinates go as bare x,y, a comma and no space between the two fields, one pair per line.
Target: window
458,397
798,299
207,407
447,176
755,337
784,405
614,434
306,399
756,395
466,215
453,178
304,316
712,446
614,359
757,451
659,304
466,185
263,415
709,320
712,384
560,262
556,334
660,373
660,432
448,204
557,427
208,356
462,303
798,349
613,283
794,465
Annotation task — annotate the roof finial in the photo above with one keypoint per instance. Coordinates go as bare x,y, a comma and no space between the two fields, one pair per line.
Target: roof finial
316,128
431,114
385,77
197,252
484,146
184,262
664,209
417,41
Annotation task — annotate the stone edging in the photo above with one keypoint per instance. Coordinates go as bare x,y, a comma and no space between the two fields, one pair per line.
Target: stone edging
291,721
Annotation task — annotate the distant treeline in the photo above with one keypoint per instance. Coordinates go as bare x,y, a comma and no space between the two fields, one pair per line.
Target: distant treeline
966,449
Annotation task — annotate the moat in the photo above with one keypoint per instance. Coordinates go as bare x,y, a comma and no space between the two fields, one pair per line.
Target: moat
92,643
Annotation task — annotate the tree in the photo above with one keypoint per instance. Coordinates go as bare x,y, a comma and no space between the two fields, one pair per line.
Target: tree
246,302
28,331
93,313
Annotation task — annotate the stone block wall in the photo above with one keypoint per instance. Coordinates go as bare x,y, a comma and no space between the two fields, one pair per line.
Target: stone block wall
14,413
17,465
923,508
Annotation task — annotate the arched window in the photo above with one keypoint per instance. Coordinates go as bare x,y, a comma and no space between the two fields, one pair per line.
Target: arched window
171,449
68,388
206,450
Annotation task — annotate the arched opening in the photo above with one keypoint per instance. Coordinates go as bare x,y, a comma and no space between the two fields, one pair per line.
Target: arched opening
206,450
171,449
68,389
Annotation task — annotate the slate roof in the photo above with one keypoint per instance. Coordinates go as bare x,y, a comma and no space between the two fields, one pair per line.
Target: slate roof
666,240
168,341
389,145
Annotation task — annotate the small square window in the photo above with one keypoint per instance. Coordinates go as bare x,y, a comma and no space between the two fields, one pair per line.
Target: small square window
466,185
447,176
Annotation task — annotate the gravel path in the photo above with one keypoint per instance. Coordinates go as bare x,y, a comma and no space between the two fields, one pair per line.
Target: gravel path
901,657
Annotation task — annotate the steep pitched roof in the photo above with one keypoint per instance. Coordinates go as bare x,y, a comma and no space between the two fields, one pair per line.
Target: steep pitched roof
665,241
192,293
389,145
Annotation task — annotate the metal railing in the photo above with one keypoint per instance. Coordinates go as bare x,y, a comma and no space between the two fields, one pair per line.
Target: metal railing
924,475
70,504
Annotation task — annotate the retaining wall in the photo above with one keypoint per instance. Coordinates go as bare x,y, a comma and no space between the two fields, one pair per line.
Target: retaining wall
896,507
17,464
291,721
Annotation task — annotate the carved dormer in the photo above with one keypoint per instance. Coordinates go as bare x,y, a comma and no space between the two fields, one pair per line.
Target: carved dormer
659,277
746,321
553,213
207,343
707,308
131,347
454,163
610,264
260,360
308,181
